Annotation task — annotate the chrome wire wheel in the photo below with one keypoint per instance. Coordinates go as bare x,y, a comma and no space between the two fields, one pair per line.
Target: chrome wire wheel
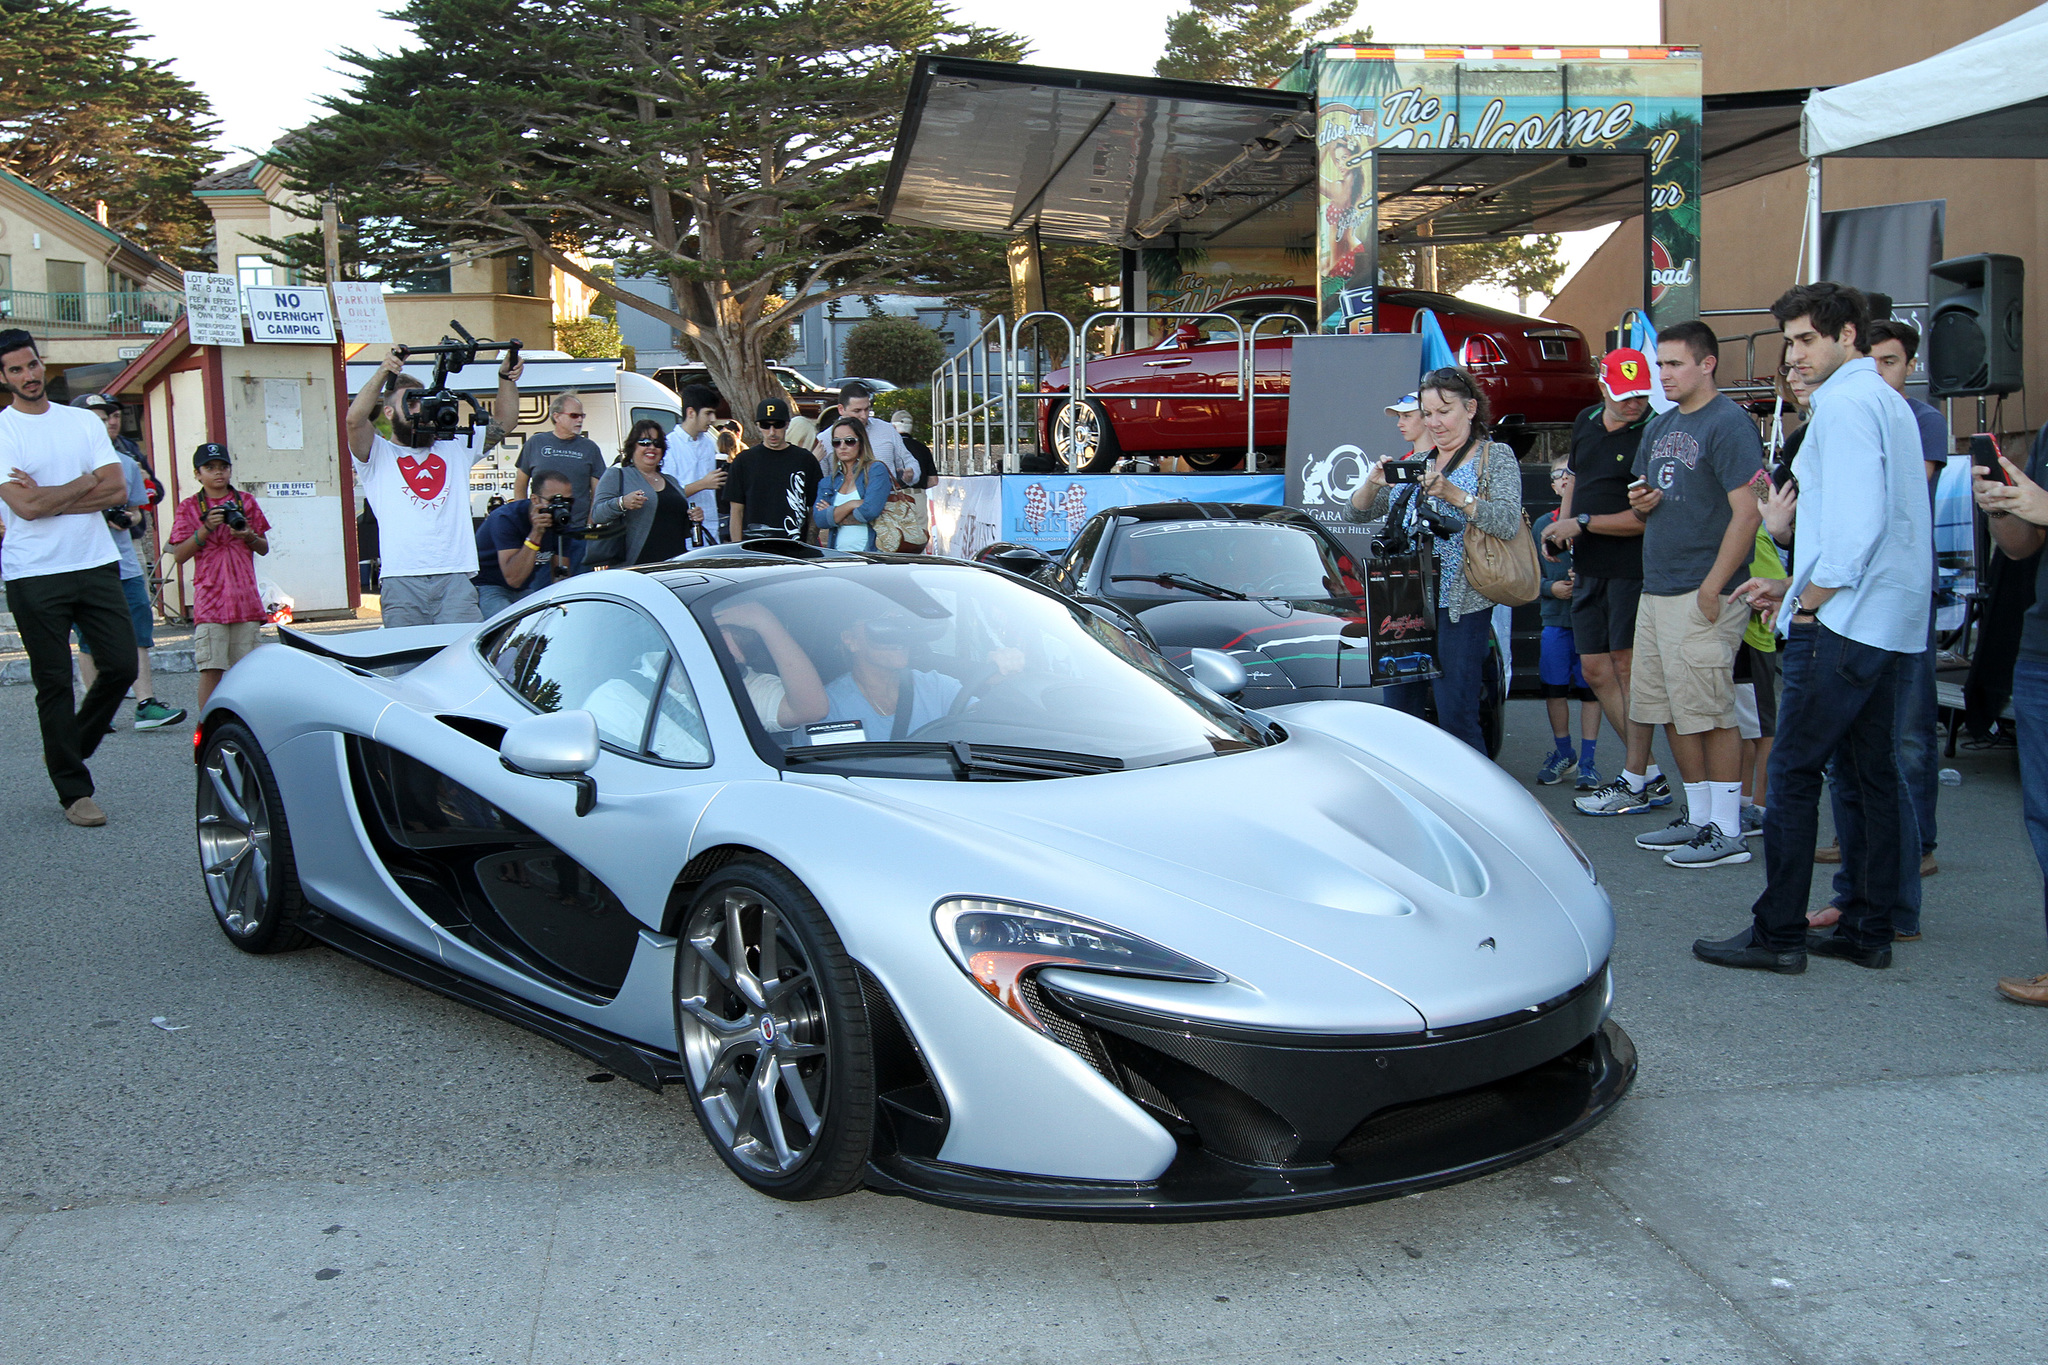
1077,434
234,840
754,1033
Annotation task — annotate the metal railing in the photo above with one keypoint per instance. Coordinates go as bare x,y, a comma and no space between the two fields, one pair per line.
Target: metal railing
127,313
976,391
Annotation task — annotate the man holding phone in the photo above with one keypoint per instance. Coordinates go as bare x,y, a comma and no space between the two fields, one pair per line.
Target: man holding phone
1855,608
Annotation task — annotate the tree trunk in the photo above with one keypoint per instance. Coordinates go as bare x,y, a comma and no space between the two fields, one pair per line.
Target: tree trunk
735,353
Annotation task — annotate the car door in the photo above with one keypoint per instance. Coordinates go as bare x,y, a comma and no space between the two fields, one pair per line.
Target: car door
532,897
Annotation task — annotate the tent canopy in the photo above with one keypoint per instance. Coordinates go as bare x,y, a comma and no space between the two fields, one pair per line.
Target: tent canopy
1987,97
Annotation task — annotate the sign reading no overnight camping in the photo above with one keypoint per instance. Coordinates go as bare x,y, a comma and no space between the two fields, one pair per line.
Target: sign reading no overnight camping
290,314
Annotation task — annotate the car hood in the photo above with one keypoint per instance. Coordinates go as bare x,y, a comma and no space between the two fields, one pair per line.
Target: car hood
1336,859
1281,646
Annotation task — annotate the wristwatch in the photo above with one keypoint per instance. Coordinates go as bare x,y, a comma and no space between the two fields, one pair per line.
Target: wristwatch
1585,520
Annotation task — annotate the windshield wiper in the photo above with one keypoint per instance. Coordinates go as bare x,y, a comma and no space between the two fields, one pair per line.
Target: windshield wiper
982,762
1188,581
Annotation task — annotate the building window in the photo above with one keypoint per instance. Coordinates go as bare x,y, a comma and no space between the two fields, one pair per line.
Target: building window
254,272
519,273
6,273
67,288
431,278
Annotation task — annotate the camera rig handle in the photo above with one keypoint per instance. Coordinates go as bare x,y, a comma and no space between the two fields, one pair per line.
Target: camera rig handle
452,355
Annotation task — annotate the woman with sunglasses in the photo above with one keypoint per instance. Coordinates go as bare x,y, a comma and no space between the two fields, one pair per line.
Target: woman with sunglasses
658,516
855,490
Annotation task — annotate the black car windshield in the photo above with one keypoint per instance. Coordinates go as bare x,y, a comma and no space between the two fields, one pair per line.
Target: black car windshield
1258,559
946,671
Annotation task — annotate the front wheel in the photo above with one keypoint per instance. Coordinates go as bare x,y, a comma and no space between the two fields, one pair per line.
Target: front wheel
1083,437
772,1031
245,850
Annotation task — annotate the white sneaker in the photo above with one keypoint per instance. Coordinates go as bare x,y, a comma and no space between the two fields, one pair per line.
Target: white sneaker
1709,848
1677,834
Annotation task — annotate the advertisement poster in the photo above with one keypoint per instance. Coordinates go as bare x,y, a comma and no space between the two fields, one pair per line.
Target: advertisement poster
1338,425
1202,281
1539,101
1046,511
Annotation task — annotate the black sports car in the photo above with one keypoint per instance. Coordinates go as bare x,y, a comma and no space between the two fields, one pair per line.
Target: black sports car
1267,586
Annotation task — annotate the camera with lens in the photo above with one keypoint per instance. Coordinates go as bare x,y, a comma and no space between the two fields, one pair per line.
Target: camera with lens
436,413
231,515
120,518
560,507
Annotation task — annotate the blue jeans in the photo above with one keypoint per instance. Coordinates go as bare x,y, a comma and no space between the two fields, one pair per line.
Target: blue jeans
1461,652
2030,705
1840,702
1918,764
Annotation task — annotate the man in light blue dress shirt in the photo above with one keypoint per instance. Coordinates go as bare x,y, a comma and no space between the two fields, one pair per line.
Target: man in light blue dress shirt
1855,606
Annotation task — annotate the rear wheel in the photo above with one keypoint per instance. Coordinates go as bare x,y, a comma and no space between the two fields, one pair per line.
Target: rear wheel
1211,460
1083,437
245,850
772,1031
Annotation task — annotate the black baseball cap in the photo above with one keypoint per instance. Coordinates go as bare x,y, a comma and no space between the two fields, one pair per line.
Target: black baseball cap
773,411
209,452
98,402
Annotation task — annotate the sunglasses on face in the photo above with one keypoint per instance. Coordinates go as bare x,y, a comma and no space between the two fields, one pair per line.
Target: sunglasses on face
773,426
855,444
645,441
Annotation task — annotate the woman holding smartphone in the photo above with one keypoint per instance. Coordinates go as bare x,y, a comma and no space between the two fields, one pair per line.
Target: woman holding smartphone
1454,416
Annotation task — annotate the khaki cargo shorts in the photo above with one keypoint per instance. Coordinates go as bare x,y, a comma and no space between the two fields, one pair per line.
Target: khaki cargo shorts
1684,666
221,644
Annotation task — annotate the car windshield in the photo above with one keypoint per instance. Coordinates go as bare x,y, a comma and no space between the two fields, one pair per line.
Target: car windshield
1170,559
950,672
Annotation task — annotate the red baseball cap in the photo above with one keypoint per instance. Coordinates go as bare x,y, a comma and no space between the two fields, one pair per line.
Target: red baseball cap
1625,373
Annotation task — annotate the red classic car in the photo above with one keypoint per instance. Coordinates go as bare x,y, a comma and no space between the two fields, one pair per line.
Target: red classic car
1532,368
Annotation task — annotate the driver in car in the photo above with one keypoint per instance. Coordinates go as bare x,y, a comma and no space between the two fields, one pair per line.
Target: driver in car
890,699
792,696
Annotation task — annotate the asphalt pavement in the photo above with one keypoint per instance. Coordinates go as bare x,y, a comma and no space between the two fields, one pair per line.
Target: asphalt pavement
208,1158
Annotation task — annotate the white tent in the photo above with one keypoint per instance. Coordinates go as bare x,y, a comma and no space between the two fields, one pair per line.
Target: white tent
1987,97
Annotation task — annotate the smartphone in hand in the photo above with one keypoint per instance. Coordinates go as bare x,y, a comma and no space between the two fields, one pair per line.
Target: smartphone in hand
1405,471
1984,454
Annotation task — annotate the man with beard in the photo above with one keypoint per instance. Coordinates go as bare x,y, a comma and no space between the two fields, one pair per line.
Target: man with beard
61,569
421,497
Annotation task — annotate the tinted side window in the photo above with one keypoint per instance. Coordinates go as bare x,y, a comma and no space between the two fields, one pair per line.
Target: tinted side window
609,660
1075,568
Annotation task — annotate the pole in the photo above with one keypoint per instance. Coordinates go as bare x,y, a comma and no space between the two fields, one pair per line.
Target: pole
330,236
1812,262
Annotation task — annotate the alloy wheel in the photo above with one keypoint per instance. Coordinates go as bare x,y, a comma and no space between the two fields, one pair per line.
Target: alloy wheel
234,840
1076,434
754,1032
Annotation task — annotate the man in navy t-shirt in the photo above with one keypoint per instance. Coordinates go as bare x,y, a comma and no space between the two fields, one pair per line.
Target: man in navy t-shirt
518,544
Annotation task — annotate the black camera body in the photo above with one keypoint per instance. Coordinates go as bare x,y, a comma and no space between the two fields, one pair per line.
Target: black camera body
231,515
560,507
437,418
436,414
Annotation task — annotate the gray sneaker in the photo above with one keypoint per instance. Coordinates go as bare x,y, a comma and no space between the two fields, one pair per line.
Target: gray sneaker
1752,822
1709,848
1677,834
1614,799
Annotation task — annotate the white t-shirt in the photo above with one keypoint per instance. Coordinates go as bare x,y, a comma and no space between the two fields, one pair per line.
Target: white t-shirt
689,459
53,449
421,498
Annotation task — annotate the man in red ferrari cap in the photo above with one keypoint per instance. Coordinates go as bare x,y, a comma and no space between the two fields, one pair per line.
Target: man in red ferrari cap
1606,541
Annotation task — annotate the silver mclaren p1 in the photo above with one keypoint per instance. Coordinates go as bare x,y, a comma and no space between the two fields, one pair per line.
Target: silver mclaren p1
915,875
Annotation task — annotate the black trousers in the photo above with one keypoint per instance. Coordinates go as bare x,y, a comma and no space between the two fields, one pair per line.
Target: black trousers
45,608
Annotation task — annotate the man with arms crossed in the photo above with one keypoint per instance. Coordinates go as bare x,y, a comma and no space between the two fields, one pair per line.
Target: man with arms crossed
1605,538
421,497
61,568
1855,608
1693,472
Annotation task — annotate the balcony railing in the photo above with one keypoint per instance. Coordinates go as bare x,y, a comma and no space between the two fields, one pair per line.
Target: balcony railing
129,314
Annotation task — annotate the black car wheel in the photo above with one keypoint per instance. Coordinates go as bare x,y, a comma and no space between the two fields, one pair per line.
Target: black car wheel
245,850
1083,437
1210,461
1493,693
771,1028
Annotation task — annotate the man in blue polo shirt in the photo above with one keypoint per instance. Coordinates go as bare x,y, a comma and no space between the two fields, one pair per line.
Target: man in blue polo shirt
518,544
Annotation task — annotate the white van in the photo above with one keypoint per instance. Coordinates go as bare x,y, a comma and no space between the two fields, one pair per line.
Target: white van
613,400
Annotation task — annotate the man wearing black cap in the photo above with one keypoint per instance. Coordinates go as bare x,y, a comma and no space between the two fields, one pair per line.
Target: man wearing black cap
60,566
773,484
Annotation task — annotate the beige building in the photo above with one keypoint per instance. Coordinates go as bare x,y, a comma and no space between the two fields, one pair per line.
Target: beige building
492,296
82,290
1749,238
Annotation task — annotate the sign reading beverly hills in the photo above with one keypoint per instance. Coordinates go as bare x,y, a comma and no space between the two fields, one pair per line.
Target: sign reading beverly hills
297,313
213,309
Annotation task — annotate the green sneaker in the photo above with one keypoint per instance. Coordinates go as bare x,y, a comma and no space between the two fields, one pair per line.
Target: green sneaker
151,714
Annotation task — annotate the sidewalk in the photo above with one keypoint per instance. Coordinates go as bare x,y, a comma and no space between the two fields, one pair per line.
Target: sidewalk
172,652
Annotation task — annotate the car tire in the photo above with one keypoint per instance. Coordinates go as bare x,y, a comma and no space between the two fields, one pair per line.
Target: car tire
808,1016
245,847
1083,437
1214,461
1493,694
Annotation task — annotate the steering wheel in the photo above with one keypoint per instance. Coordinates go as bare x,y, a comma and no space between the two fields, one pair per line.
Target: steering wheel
969,691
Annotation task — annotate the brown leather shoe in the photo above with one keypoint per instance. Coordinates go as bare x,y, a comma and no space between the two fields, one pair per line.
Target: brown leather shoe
2028,991
1831,854
85,811
1928,867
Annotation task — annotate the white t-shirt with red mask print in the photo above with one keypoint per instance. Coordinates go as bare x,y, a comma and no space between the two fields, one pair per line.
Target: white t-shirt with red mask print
421,498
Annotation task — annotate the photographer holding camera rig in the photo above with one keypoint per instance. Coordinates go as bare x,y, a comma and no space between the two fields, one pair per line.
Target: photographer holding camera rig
418,483
520,545
222,531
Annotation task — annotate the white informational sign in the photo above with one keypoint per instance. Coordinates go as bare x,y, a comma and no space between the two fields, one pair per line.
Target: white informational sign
306,489
291,314
213,309
360,307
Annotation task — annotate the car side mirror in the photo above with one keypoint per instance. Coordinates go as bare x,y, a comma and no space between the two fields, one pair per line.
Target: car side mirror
1218,672
561,745
1025,561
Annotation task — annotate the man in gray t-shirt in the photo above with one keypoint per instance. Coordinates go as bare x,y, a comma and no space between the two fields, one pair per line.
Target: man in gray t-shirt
1694,468
564,450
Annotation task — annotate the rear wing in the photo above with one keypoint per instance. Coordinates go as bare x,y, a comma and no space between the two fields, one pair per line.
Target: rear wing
390,651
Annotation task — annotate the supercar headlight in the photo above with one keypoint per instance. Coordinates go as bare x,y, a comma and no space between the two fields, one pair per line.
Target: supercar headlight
1573,845
997,943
